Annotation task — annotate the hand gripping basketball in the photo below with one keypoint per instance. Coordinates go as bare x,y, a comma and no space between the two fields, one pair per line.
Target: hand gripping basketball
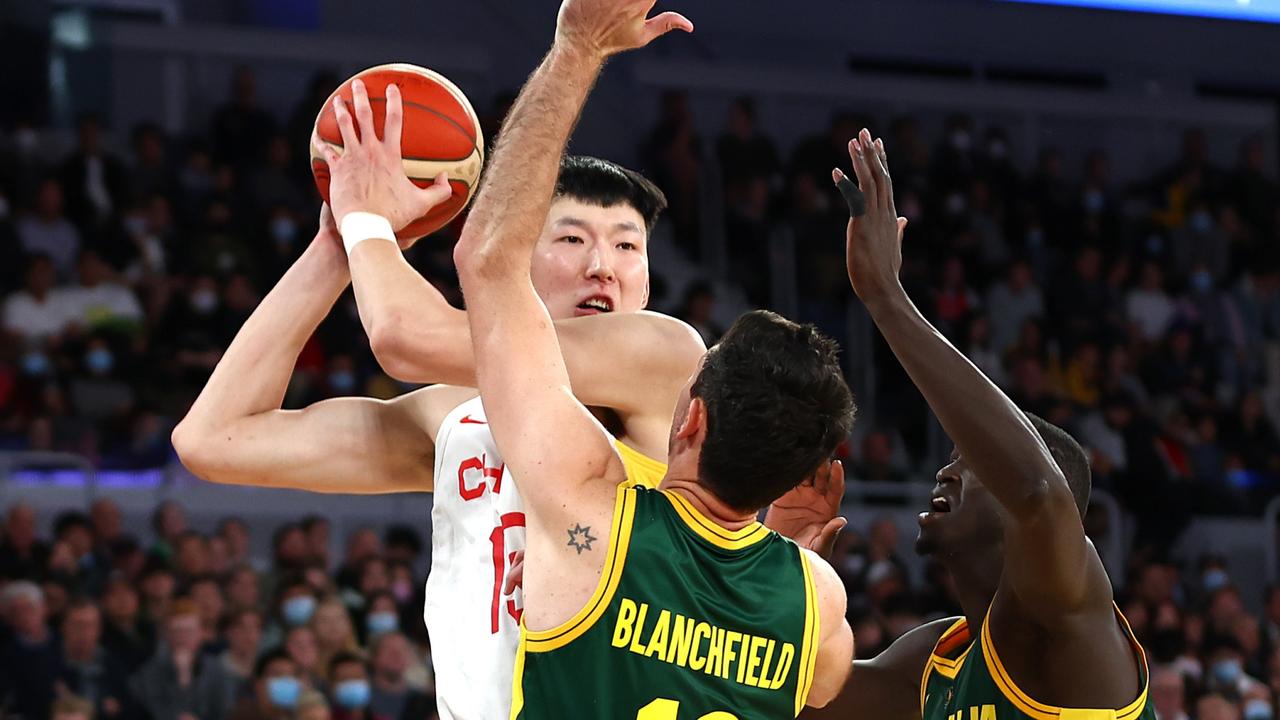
368,176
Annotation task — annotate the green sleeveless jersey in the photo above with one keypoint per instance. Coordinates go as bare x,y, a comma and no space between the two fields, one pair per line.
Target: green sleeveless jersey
690,621
965,680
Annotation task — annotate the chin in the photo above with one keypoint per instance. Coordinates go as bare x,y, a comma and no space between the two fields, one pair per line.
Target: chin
926,544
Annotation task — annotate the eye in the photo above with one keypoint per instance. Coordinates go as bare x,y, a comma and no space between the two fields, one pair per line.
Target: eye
626,245
574,239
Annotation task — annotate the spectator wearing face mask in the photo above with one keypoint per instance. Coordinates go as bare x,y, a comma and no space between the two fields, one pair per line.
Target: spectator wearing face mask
295,605
382,616
349,687
1226,670
392,698
276,690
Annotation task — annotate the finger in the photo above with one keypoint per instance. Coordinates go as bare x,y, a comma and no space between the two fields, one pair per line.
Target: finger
835,486
395,119
364,113
866,182
663,23
902,228
515,578
345,126
825,542
853,197
435,193
326,151
873,162
882,158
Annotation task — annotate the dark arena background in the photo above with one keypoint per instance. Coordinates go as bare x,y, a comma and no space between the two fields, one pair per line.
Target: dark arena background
1094,221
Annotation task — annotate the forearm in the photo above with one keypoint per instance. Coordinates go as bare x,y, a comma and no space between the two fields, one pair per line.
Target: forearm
254,372
513,202
415,334
995,438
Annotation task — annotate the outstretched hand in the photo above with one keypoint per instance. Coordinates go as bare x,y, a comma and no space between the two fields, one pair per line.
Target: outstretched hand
366,173
873,252
808,513
607,27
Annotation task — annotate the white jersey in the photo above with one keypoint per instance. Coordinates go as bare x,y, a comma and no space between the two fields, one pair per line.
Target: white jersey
477,525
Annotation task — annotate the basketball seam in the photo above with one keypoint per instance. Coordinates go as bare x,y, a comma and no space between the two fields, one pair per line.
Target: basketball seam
474,148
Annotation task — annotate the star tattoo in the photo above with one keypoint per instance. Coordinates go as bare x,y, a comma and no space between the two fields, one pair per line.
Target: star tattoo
580,538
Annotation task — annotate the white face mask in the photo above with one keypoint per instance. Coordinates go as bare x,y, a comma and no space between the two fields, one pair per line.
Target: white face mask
204,301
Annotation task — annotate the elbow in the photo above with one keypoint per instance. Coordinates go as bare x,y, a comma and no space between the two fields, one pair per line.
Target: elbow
387,342
479,256
192,448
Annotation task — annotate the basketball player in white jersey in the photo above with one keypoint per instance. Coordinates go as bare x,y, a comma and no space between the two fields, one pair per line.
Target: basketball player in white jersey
591,258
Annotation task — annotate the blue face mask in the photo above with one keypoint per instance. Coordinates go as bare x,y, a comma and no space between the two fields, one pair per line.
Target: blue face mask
1215,578
352,694
342,381
99,361
1227,672
382,622
298,610
283,691
283,230
1257,709
36,364
1201,281
1201,222
1094,202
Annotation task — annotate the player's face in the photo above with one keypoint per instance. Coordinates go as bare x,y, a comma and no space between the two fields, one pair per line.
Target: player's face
962,514
591,260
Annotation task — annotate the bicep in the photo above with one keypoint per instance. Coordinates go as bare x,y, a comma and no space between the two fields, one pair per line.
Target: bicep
344,445
631,362
1050,566
835,648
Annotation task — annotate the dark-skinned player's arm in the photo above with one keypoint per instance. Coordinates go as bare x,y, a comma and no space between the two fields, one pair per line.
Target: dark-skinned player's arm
1049,565
417,336
237,433
886,687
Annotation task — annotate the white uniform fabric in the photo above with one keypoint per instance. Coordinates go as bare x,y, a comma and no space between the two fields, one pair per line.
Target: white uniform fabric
477,526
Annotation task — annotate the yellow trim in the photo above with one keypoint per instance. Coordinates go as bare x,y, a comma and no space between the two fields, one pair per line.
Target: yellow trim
517,678
1040,711
950,668
812,633
712,532
624,510
640,467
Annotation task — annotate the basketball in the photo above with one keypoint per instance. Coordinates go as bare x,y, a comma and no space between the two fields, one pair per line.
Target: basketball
441,134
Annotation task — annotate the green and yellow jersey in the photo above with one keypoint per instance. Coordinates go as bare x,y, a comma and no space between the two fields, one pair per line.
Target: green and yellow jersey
690,621
965,680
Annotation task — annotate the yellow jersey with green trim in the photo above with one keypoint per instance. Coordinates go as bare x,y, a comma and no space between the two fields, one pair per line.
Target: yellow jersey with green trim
965,680
689,621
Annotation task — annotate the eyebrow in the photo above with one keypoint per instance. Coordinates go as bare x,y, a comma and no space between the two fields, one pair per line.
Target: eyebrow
624,226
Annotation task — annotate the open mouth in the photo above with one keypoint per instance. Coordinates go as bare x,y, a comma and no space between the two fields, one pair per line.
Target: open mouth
595,304
938,506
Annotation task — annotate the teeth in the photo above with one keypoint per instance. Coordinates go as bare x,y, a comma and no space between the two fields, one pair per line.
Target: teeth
941,504
598,304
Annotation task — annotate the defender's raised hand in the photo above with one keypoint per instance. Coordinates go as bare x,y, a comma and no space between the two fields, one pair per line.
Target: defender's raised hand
367,174
809,512
606,27
874,240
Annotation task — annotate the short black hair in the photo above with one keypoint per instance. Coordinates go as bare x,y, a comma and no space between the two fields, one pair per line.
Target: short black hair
603,183
344,657
70,519
1072,460
272,655
405,537
777,406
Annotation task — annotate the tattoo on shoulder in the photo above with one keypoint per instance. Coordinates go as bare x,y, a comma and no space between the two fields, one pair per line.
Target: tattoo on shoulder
580,538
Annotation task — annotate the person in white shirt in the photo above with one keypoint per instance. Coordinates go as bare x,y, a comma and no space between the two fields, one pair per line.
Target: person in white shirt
48,230
1148,306
98,301
39,311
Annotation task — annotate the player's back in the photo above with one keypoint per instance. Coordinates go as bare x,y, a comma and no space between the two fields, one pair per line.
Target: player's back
690,620
477,526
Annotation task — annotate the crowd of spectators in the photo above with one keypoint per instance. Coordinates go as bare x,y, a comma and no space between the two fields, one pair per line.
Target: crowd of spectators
192,627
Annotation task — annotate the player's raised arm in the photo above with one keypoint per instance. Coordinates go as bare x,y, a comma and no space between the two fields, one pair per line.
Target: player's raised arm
236,433
1050,566
520,370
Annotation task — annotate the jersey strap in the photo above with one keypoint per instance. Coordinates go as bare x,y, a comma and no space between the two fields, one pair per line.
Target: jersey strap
943,659
1040,711
712,532
812,632
640,468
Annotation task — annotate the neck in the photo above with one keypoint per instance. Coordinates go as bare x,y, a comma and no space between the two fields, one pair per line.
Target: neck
705,501
80,654
975,577
389,683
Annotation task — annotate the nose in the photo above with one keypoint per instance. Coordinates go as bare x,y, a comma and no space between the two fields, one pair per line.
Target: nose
599,264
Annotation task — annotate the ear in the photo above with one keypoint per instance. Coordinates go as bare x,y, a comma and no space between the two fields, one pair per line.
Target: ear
695,421
645,303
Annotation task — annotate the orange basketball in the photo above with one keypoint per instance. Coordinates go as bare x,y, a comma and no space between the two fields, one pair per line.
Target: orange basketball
440,133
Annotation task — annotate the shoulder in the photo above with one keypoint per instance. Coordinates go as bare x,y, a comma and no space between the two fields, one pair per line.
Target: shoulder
431,405
829,589
681,335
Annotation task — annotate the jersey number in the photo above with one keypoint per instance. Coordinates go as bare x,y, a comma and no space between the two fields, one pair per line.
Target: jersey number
664,709
501,561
